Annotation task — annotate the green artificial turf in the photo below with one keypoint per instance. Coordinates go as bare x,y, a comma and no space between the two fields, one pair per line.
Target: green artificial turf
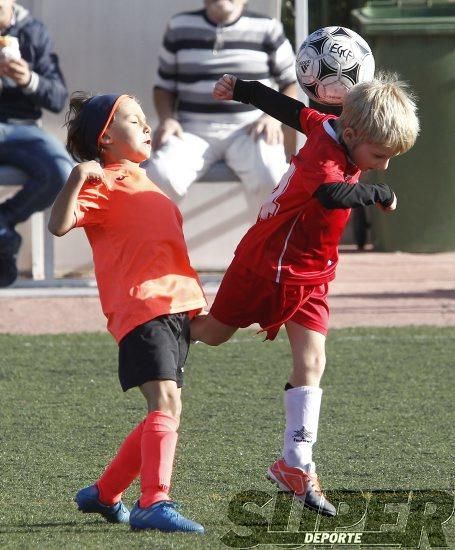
386,424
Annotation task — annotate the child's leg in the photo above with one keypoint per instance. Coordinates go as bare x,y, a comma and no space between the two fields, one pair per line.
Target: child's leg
149,449
159,439
104,497
308,355
152,357
295,472
302,398
205,328
137,354
123,469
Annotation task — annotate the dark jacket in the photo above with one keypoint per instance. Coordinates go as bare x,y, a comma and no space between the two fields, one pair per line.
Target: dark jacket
47,88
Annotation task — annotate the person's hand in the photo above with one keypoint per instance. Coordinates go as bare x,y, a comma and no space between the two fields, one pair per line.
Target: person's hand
18,70
269,128
169,127
391,207
90,170
224,88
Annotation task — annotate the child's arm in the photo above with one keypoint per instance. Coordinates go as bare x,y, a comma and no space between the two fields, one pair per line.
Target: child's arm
283,108
63,214
346,195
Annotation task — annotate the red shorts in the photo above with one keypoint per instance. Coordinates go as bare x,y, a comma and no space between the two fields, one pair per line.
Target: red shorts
245,298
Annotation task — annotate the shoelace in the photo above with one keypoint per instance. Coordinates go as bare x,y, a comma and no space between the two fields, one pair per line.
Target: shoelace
314,480
173,507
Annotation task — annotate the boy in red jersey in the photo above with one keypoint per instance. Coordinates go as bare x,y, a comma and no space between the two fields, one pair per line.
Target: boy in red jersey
284,263
148,292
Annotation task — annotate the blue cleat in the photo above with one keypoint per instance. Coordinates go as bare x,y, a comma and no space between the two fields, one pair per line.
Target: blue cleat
88,502
164,517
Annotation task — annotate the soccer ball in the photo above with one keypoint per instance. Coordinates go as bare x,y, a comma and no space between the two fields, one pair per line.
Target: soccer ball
332,60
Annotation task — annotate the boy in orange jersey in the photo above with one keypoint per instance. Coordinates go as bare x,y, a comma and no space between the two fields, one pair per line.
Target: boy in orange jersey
148,291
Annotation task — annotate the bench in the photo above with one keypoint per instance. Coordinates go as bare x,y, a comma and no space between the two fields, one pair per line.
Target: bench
218,172
42,243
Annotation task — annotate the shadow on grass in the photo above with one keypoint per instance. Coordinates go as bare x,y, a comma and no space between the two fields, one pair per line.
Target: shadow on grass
30,527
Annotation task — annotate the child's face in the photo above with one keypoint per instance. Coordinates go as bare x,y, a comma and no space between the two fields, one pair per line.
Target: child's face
371,156
367,155
128,135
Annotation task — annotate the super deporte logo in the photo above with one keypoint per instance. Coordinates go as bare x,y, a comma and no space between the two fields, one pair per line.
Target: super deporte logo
377,518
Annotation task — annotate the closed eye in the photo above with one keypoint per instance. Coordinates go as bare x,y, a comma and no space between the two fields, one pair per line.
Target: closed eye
143,122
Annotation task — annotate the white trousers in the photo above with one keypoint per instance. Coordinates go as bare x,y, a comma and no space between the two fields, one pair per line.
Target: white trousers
181,161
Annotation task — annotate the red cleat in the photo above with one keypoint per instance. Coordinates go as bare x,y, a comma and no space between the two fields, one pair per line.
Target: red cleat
305,487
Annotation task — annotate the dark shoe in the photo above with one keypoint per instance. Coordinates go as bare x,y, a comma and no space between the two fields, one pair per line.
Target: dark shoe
10,242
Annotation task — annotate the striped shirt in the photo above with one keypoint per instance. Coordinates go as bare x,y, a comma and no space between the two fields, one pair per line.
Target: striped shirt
196,52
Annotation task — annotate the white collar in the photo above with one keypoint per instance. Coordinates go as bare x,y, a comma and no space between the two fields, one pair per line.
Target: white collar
328,128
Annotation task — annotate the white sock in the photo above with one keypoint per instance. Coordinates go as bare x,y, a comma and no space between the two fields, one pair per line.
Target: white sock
302,406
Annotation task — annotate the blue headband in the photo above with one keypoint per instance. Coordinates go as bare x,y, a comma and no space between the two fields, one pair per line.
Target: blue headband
95,116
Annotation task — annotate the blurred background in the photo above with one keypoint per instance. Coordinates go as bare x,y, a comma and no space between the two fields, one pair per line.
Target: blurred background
112,45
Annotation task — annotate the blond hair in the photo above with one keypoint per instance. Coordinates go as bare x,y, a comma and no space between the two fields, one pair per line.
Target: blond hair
382,111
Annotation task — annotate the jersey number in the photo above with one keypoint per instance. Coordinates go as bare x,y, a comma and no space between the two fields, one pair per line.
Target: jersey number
271,206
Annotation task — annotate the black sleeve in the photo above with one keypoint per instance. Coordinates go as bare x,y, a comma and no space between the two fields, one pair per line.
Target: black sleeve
346,195
279,106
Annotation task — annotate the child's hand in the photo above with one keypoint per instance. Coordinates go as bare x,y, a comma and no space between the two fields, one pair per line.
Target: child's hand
224,88
63,215
391,207
89,171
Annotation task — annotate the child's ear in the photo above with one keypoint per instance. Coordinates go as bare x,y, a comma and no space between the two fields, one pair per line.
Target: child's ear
349,136
105,139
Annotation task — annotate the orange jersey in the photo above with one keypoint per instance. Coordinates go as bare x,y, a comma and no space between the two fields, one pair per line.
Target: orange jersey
139,251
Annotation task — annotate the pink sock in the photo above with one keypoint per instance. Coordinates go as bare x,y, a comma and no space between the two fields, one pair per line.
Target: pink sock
159,441
123,469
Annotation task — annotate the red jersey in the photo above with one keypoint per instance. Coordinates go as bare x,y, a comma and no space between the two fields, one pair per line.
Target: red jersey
295,239
139,251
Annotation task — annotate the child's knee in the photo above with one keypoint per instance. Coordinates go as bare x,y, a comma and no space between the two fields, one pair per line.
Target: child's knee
164,396
171,403
309,369
314,362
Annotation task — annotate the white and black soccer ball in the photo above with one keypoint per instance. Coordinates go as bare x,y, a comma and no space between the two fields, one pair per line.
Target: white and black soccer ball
330,61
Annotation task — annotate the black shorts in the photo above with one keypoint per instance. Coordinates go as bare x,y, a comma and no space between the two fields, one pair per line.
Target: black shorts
155,350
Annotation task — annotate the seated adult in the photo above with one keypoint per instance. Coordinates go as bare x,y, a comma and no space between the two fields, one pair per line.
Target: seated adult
30,81
196,131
